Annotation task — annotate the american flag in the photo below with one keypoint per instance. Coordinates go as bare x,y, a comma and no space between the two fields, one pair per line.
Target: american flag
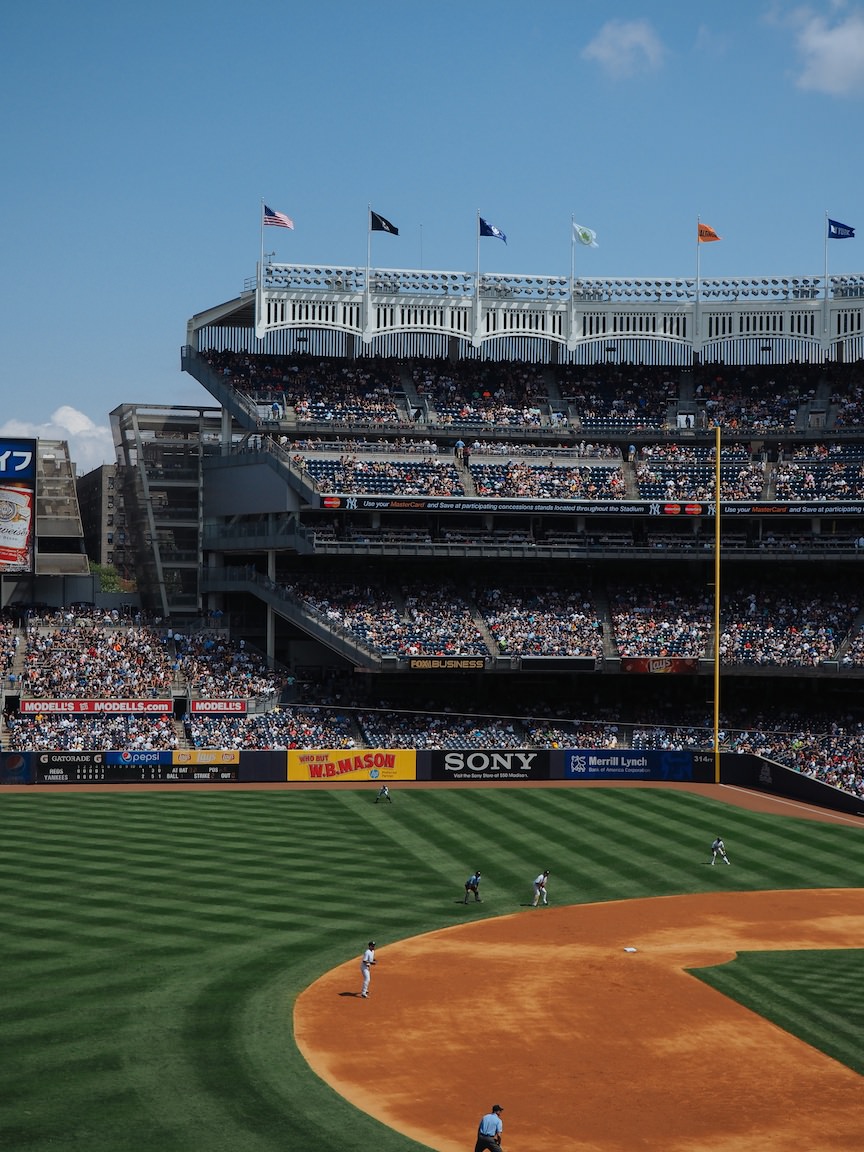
278,219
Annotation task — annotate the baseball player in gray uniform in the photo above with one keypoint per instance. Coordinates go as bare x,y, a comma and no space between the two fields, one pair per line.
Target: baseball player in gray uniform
366,967
540,889
718,848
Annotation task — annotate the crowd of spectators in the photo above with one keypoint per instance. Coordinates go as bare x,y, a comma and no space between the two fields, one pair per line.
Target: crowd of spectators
509,393
433,731
370,612
542,621
650,621
801,626
544,481
94,733
424,477
627,396
315,389
279,728
213,665
838,480
85,659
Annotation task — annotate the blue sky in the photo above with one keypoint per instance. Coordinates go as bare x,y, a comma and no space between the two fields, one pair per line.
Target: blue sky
139,140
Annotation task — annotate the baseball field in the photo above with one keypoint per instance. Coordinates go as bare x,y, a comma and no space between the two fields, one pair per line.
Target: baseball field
180,969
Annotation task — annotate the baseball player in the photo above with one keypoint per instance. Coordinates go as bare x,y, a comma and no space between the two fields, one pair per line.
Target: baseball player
489,1131
366,967
540,889
472,884
384,794
718,848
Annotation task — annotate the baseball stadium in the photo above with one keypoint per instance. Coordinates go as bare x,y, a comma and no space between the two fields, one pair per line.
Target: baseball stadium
574,567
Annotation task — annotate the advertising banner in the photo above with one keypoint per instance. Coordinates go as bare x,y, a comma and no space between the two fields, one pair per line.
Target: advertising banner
631,764
667,664
31,707
212,707
130,768
205,756
352,764
695,508
15,768
446,663
17,504
142,757
489,765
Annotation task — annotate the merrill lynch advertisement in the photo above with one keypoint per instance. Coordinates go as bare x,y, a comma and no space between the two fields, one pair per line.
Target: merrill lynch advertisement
353,764
489,765
627,764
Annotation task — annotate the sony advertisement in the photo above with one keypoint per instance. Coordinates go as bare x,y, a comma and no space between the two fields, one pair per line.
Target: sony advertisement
490,764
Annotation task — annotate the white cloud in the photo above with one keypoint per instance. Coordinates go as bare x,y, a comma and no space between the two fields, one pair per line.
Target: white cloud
625,48
89,444
832,53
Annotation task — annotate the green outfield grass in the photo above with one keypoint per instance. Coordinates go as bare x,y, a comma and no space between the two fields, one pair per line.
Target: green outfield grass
816,995
153,942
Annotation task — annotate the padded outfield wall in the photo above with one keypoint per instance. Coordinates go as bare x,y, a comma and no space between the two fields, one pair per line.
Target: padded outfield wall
366,766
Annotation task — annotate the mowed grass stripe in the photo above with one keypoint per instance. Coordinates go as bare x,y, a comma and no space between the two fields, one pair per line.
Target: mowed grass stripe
189,922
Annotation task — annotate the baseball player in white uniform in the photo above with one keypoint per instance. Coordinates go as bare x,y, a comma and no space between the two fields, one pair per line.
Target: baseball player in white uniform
718,848
540,889
366,967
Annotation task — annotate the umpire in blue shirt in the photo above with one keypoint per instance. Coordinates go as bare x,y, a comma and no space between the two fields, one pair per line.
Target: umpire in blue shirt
489,1131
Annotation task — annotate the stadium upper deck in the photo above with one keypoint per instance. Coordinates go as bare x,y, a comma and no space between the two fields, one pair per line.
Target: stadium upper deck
334,310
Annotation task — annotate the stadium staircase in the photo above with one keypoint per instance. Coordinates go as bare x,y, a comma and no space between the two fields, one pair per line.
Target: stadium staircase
412,397
857,625
292,609
483,629
465,476
241,407
553,392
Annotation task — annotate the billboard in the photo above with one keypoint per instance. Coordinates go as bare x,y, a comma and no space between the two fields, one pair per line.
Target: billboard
636,764
33,706
663,664
17,505
129,768
353,764
491,764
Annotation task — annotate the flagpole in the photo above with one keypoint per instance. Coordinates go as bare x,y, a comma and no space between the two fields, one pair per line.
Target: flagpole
572,254
261,261
825,294
477,281
696,317
367,293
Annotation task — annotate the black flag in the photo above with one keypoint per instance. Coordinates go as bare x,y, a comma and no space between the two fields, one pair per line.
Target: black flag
379,224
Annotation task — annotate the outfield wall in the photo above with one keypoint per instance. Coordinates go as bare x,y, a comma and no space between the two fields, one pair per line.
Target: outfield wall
359,765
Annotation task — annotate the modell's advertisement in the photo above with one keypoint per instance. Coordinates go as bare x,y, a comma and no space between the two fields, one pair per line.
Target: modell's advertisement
17,504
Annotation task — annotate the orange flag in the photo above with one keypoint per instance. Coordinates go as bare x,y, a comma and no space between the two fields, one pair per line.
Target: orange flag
705,235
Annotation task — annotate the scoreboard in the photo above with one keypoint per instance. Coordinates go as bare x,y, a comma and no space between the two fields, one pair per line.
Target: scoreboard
130,768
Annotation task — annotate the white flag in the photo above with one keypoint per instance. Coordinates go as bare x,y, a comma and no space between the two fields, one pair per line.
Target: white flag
585,236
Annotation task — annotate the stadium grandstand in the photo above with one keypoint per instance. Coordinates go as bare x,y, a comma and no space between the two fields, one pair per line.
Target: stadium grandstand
440,510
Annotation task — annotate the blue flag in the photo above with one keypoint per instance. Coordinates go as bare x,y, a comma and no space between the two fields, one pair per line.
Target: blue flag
487,229
838,231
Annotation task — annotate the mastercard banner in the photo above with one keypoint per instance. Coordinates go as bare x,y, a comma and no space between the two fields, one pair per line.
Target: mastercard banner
353,764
